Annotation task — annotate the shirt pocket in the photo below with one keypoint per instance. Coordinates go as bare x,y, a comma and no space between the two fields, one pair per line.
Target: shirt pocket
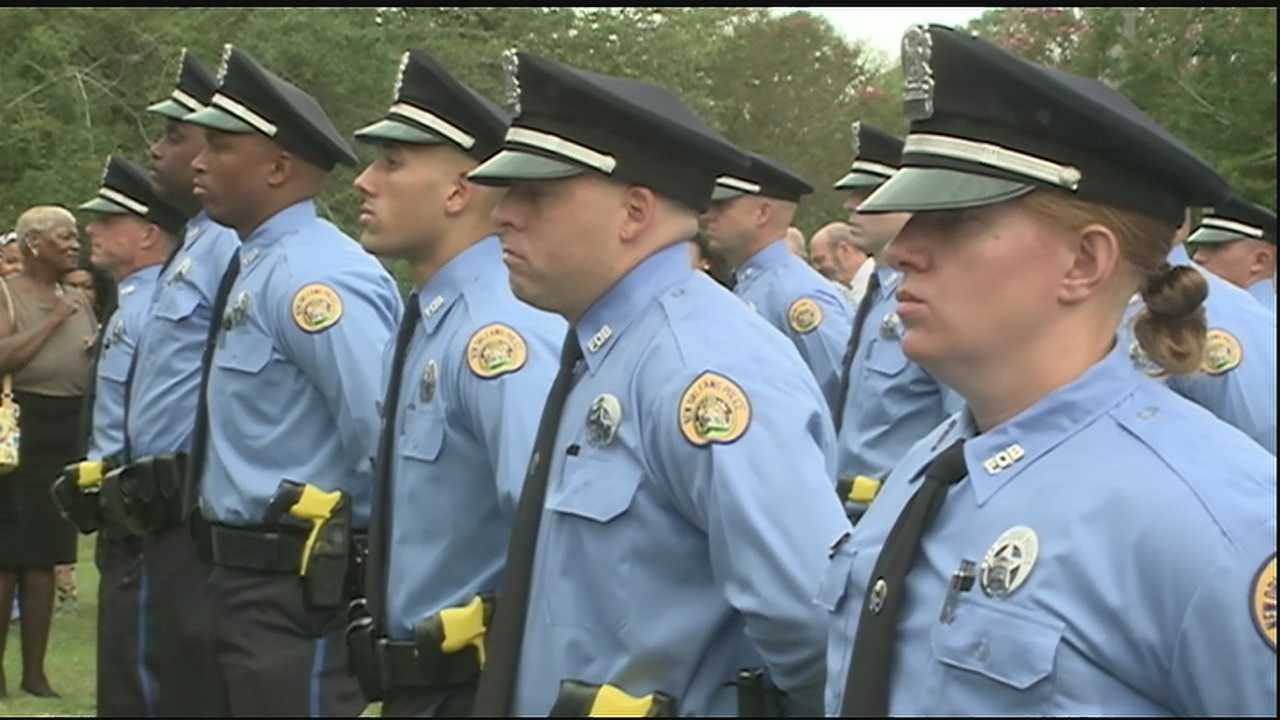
177,301
423,435
886,356
996,658
589,544
114,365
243,349
833,596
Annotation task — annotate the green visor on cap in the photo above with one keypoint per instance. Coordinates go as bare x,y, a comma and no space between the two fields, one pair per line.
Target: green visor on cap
721,193
921,189
508,166
212,117
1214,236
388,130
103,206
859,180
170,109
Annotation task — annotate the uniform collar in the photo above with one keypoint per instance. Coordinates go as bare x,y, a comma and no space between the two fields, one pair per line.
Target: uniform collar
888,278
999,455
1264,290
276,228
446,286
606,320
139,278
771,256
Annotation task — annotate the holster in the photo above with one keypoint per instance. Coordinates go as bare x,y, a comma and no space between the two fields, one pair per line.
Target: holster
326,560
581,699
758,697
362,650
145,497
77,491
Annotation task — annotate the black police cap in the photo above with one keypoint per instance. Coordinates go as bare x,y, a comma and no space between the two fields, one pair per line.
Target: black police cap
876,157
191,92
431,107
987,126
765,177
571,122
127,189
1234,219
251,98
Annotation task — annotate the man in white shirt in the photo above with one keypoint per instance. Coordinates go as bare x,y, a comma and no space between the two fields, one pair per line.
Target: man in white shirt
834,253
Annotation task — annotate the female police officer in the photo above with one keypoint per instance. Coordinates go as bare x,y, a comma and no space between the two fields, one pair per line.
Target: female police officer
1078,539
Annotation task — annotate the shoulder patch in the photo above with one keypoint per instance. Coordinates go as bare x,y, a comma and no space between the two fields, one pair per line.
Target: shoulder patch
317,307
804,315
714,410
496,350
1222,353
1262,601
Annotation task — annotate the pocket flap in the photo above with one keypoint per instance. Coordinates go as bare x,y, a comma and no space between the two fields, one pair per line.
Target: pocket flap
594,490
243,349
836,581
886,356
1006,645
423,435
177,301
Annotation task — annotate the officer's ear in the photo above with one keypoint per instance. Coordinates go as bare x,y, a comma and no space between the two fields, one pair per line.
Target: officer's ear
460,195
1095,255
639,209
281,168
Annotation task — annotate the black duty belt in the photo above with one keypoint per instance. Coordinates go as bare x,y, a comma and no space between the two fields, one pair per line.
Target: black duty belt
405,666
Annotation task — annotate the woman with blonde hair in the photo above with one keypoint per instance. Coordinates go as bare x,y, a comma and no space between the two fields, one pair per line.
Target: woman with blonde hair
1078,539
44,329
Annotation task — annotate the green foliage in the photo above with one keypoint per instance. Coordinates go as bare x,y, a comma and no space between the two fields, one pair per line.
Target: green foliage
74,90
1207,74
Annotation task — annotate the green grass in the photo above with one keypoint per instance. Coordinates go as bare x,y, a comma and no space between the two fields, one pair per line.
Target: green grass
71,664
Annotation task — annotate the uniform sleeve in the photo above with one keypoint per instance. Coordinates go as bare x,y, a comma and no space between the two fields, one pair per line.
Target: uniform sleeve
1223,661
822,347
769,517
340,359
504,413
1243,396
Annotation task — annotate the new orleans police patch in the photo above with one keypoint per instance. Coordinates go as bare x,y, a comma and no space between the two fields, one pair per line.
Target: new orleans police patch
1262,601
495,350
316,307
804,315
1222,353
714,410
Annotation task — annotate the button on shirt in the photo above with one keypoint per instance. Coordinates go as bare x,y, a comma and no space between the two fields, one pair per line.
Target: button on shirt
464,441
1245,395
665,565
1139,600
285,403
166,384
772,282
892,402
119,341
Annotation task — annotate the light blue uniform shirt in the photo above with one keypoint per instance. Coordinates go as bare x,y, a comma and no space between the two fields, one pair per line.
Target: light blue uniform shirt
464,440
120,337
1246,395
773,282
892,401
285,403
1140,600
1264,291
665,565
166,385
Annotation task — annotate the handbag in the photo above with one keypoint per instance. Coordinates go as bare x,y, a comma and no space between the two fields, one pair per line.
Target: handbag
10,434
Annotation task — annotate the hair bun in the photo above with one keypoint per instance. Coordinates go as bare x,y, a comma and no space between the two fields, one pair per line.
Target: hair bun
1175,291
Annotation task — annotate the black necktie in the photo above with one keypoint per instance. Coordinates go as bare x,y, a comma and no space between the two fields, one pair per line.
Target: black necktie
859,320
380,523
497,682
866,691
200,438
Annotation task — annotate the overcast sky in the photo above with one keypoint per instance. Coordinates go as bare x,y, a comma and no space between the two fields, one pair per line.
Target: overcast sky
882,27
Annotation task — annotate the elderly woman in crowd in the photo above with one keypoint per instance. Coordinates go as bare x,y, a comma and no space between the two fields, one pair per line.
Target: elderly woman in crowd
44,346
10,256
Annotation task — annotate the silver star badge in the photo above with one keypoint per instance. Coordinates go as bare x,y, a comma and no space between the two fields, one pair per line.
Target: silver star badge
1008,563
603,420
427,388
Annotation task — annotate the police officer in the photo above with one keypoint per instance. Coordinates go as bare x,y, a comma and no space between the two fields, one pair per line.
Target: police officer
134,230
1237,242
746,223
287,419
662,543
1237,376
471,379
887,402
1064,544
162,407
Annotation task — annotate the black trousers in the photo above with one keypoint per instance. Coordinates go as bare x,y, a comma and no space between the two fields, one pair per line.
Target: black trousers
120,684
275,655
180,648
444,703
